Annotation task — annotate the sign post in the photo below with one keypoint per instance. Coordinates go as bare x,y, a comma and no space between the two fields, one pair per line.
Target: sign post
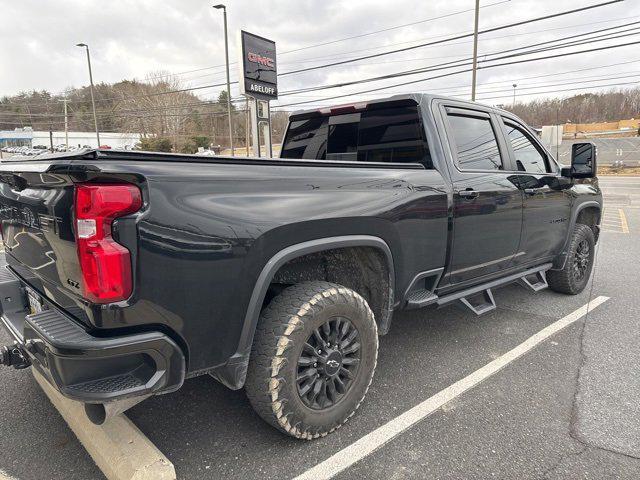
259,83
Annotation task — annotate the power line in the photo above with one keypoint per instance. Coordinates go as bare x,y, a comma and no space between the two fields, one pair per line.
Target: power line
392,28
126,113
575,42
170,74
397,43
462,71
343,54
205,103
456,90
523,22
307,47
546,85
466,61
568,90
458,37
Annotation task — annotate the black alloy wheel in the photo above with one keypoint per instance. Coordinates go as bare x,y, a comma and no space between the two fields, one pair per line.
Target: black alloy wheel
328,363
313,357
581,260
574,275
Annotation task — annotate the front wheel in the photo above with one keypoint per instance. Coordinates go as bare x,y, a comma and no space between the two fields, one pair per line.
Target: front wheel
573,278
313,358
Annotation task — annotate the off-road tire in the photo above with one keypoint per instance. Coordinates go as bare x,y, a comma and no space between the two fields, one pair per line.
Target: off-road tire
284,327
566,280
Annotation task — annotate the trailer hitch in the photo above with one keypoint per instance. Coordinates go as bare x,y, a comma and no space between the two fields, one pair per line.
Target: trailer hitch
14,356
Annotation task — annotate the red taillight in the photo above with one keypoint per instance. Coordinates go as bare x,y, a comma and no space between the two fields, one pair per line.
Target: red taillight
105,264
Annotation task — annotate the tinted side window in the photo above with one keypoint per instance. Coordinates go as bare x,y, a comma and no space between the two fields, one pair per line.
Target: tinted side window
392,135
306,139
475,142
528,157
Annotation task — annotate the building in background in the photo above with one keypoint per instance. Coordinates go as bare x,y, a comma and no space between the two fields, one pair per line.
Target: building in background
20,137
31,138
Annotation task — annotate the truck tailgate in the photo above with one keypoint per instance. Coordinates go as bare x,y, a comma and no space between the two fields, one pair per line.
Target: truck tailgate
37,226
61,234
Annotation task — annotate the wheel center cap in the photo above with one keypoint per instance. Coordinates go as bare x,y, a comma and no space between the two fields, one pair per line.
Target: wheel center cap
333,363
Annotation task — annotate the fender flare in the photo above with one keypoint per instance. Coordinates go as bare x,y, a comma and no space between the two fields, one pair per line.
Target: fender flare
561,259
234,372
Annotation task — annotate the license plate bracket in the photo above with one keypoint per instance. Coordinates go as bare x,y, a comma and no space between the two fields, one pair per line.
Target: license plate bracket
36,305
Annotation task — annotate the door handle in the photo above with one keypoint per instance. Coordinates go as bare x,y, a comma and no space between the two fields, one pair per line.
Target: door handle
469,193
531,191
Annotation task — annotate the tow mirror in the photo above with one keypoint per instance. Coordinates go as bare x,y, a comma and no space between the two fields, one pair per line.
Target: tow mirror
583,161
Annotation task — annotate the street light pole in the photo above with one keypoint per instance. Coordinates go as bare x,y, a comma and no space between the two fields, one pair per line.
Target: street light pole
226,52
93,101
514,94
474,73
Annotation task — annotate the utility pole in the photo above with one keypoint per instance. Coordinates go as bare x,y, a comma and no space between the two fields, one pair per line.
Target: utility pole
66,124
514,94
93,101
475,53
226,52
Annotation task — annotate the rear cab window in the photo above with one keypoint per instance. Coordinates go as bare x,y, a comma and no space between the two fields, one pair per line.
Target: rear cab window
392,134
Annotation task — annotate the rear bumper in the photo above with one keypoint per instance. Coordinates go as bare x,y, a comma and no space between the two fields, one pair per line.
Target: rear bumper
85,367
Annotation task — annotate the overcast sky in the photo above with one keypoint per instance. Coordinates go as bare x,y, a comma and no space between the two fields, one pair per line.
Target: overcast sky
135,38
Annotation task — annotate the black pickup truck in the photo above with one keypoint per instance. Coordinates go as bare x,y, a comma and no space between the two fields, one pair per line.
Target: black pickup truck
128,272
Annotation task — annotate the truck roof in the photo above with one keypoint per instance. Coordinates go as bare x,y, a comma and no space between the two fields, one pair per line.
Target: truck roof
414,98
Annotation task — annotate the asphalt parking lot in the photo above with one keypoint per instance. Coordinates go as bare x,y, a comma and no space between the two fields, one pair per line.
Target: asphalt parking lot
566,409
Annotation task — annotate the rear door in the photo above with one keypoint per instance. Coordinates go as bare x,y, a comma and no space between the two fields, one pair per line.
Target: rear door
547,205
487,204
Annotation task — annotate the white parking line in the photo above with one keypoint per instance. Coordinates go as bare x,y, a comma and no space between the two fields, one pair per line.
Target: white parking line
372,441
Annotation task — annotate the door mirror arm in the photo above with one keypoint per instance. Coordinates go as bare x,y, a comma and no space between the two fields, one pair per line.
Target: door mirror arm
565,172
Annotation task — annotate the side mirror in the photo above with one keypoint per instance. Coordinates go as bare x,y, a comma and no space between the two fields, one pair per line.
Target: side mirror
583,161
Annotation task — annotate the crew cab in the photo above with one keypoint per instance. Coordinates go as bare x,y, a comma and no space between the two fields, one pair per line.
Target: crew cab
129,272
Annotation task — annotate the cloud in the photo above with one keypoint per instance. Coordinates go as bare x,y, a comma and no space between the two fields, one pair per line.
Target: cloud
131,38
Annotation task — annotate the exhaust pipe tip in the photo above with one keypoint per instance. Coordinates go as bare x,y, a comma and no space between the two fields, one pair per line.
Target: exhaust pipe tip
96,413
99,413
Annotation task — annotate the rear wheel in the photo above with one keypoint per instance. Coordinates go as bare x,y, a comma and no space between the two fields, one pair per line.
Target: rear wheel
573,278
313,358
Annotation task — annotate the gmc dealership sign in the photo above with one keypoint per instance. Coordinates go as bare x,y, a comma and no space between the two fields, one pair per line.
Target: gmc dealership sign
258,72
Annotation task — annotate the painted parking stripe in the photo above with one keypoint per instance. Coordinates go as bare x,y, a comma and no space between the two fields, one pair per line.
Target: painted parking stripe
372,441
623,221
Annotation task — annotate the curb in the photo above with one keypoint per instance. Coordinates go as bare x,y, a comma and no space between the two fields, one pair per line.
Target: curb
118,447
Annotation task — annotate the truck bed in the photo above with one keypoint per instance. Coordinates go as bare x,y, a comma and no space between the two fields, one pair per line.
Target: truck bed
210,225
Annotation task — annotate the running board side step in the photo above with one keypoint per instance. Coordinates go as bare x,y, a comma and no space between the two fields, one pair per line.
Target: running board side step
480,303
479,299
534,282
420,298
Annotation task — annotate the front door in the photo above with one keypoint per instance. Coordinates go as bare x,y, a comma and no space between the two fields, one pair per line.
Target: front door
547,205
487,216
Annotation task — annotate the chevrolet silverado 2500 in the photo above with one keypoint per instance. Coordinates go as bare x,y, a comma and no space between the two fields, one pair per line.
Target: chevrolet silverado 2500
128,272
